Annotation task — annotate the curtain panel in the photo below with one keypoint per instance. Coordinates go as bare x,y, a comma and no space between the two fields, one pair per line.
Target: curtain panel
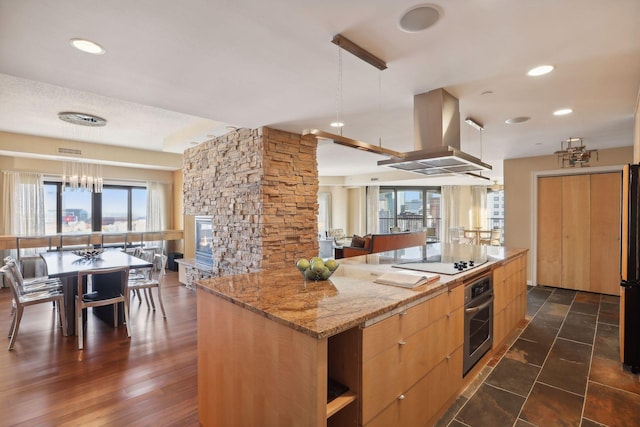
23,202
373,193
159,205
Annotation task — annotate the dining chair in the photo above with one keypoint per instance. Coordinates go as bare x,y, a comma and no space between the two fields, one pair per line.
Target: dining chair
484,237
153,240
471,236
102,294
114,239
32,284
36,243
75,241
496,237
22,300
432,236
145,284
395,229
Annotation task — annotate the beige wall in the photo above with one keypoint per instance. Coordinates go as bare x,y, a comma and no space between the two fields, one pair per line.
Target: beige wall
636,133
518,188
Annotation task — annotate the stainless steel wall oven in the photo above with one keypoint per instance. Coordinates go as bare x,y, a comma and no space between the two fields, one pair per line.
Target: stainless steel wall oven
478,319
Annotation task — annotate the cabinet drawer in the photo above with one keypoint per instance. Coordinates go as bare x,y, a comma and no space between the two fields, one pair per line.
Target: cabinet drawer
444,381
445,303
407,409
392,372
388,332
444,336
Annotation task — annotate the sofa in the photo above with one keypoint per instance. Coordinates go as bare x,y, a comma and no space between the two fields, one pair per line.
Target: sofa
374,243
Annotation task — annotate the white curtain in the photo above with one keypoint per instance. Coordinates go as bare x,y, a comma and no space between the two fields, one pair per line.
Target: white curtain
159,205
23,203
373,193
450,211
479,206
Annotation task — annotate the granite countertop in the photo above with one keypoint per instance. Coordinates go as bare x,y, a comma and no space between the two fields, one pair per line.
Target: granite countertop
350,297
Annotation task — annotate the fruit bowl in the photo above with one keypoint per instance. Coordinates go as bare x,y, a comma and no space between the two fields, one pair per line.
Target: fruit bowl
316,268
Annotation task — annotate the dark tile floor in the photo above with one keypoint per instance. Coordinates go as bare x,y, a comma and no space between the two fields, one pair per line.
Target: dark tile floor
563,369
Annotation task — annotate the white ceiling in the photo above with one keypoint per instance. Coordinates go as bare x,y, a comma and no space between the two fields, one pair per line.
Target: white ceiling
177,71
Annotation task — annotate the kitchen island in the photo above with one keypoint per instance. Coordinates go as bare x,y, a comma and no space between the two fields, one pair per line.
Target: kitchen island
272,347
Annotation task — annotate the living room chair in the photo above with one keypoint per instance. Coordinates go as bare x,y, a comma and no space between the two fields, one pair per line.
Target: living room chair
22,300
102,295
146,284
496,237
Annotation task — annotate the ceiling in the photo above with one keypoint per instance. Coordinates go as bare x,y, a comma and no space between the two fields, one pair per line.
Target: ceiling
176,73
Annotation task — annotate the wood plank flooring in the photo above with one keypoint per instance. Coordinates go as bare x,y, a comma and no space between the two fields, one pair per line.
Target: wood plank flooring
149,380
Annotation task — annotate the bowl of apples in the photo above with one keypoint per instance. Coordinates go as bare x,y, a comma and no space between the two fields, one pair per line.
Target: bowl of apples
316,268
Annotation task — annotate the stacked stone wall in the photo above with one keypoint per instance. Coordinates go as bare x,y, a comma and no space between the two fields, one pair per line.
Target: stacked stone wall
260,188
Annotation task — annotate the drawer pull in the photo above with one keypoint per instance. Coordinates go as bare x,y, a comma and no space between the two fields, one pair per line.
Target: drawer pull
401,397
402,342
448,357
403,313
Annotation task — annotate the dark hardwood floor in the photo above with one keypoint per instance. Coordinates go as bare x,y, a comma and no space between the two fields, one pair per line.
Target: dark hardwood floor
149,380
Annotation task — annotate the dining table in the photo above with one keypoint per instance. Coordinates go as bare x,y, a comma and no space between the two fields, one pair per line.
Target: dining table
66,265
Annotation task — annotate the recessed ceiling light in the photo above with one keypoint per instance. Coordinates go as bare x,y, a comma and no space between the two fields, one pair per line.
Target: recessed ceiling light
419,18
87,46
540,70
487,92
337,124
563,112
519,119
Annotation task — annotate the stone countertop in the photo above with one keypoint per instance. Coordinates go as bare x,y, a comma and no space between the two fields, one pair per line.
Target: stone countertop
350,297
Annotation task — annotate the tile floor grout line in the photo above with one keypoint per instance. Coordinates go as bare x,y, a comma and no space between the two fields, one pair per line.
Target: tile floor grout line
593,349
546,357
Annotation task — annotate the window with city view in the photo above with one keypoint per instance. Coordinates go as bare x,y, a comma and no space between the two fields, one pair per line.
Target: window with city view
116,209
410,209
495,208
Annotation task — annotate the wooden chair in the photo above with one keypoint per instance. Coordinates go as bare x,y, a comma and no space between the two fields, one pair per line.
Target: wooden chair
22,300
98,296
145,284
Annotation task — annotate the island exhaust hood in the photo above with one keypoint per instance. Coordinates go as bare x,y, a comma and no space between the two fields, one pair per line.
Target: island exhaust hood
436,136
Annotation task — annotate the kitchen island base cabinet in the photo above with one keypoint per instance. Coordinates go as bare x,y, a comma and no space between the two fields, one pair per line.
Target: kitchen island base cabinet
405,358
253,371
510,298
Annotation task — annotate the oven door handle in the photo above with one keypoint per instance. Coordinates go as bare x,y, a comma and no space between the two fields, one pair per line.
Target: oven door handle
472,310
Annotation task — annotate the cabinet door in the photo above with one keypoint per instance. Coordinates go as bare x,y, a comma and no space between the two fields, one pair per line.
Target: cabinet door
576,232
605,233
550,231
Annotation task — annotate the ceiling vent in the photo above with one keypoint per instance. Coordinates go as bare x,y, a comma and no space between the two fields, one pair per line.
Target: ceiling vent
73,151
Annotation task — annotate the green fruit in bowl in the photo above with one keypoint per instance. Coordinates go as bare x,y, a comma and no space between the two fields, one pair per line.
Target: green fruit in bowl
303,264
310,275
317,266
324,275
315,259
331,264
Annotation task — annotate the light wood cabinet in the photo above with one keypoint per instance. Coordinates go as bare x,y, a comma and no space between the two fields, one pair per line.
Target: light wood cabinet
401,351
578,241
510,298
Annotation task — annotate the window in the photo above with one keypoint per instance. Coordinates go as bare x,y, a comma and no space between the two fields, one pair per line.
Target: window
411,209
116,209
496,213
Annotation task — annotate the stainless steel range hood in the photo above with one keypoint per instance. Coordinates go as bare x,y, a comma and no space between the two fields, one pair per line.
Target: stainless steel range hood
436,129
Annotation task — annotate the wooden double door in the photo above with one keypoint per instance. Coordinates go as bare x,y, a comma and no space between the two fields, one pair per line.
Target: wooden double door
578,237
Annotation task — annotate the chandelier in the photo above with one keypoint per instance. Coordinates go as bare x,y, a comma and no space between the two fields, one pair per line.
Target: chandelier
571,155
78,175
82,176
